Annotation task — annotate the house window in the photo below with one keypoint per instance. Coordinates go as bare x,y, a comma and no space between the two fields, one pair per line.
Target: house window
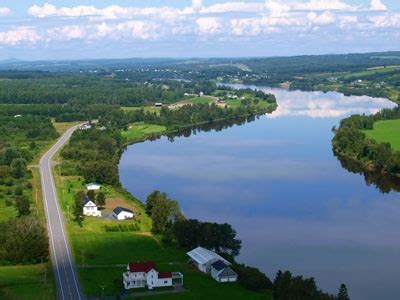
165,281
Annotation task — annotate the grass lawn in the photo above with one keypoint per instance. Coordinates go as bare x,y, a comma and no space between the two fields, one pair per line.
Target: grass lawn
386,131
139,131
151,109
27,282
200,100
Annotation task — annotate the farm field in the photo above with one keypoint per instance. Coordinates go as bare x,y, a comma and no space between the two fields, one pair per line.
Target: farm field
139,131
386,131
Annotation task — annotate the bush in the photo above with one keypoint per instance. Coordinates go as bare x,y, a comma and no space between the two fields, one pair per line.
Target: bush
122,228
252,278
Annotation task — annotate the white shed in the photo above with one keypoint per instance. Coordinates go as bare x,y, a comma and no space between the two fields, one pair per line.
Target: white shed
93,186
203,259
121,213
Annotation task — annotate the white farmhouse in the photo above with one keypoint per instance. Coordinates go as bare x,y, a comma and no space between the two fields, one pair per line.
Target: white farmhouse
90,208
93,186
144,274
121,213
222,272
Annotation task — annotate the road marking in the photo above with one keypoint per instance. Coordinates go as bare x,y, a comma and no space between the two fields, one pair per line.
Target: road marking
46,162
51,232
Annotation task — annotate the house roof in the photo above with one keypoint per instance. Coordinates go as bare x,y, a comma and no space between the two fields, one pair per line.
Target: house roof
87,200
93,183
144,266
165,275
219,265
203,256
227,272
119,209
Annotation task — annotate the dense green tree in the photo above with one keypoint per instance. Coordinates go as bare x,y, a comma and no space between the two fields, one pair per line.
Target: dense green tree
18,168
23,241
101,199
22,204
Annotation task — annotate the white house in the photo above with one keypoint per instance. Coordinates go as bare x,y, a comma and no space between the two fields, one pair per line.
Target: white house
85,126
90,208
203,259
93,186
222,272
144,274
158,104
121,213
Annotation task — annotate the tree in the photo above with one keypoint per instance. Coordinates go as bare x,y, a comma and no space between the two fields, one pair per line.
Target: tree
252,278
18,168
101,199
22,204
78,207
343,294
23,241
92,195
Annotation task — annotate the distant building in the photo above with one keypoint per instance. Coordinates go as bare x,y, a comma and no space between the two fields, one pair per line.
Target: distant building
144,274
121,213
93,186
85,126
17,116
201,94
158,104
90,208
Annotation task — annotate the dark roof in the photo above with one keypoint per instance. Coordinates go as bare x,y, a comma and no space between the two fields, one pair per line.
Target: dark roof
119,209
164,275
227,272
219,265
86,200
144,266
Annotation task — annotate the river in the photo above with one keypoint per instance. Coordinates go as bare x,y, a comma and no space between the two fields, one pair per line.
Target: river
278,183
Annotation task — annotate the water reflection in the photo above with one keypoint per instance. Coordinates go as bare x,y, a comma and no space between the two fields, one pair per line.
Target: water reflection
384,182
320,104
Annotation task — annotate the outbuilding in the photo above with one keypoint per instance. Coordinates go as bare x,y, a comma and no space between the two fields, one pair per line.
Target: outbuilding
203,258
121,213
93,186
221,272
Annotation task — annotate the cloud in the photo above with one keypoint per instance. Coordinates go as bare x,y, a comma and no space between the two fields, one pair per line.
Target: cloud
67,33
378,5
19,35
208,26
4,11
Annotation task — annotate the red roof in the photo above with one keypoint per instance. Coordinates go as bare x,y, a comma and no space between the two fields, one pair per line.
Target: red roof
164,275
144,266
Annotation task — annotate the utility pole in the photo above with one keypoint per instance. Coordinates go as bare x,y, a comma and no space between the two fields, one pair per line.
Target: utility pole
102,291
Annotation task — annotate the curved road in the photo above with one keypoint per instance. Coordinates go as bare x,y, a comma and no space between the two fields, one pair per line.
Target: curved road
61,256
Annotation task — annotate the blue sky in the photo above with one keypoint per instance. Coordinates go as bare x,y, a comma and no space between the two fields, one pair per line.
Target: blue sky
77,29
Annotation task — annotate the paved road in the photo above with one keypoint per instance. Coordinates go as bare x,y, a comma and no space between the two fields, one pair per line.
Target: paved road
61,256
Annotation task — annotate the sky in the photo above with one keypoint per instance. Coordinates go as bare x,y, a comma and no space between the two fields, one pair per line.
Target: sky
83,29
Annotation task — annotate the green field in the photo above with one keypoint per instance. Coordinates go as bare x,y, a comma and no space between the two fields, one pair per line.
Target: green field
386,131
200,100
27,282
139,131
146,109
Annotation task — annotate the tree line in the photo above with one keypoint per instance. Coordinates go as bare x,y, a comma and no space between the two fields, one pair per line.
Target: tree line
351,142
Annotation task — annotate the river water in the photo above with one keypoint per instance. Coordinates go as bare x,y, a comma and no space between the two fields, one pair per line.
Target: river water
278,183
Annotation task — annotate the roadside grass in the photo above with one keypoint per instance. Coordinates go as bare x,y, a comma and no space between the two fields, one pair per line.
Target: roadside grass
386,131
62,127
27,282
139,131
